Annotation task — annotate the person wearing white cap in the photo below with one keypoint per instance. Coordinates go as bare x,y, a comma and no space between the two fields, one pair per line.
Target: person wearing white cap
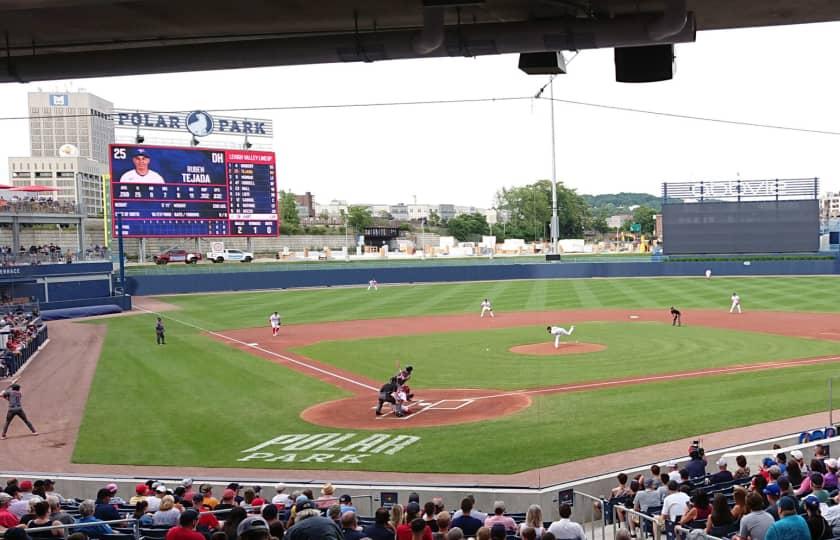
155,499
830,477
723,475
800,459
280,498
673,471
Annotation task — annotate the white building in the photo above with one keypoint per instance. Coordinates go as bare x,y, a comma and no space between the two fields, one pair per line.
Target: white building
616,222
830,206
76,179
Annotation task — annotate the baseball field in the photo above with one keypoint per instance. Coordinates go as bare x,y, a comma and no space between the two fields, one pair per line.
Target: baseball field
492,395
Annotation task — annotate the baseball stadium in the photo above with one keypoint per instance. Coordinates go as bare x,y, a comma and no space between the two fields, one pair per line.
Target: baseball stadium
234,362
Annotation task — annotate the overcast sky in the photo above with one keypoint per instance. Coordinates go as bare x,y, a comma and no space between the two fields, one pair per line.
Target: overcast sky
464,153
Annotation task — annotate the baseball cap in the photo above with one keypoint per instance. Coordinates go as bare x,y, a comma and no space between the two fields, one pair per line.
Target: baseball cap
112,488
831,463
305,504
140,152
187,482
49,482
721,462
250,524
648,482
280,487
5,497
768,462
811,501
412,508
205,488
26,485
344,498
797,454
301,498
773,489
161,488
671,463
787,503
228,494
234,486
140,489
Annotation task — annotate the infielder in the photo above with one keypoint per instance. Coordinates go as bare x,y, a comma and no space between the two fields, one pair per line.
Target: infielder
736,303
486,306
13,396
274,320
677,317
372,284
558,331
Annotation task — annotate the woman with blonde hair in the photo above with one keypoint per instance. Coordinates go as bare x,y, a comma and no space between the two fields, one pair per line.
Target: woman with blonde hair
327,497
397,516
168,514
533,519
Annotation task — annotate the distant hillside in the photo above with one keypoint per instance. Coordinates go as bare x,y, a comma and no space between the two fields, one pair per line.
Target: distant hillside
618,203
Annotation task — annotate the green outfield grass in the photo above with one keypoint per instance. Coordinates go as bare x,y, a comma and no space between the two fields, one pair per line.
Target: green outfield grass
196,402
633,349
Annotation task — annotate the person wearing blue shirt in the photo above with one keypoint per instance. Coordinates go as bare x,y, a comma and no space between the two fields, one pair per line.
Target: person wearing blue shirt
347,504
790,526
86,509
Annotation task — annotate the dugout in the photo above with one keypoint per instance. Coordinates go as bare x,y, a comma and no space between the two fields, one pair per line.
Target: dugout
741,217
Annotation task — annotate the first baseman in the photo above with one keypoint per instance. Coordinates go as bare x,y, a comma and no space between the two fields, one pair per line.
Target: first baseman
558,331
274,320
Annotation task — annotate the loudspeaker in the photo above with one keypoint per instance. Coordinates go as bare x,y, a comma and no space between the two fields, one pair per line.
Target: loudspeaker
542,63
644,64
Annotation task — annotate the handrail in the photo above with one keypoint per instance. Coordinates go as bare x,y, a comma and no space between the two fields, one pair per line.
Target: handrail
628,512
597,502
684,532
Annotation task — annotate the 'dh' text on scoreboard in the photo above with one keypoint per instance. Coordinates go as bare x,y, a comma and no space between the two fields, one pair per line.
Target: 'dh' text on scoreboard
179,192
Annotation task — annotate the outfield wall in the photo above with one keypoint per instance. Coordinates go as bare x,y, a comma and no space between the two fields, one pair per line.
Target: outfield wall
252,280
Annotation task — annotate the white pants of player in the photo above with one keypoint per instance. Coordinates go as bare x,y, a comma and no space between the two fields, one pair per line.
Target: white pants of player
560,332
485,308
735,305
373,286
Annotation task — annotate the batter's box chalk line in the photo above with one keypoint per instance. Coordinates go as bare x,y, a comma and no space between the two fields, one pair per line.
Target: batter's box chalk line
440,407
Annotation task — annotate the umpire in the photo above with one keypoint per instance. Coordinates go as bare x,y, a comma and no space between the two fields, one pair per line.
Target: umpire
385,394
13,395
159,332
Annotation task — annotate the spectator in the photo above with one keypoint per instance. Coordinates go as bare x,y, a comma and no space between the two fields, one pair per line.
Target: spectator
207,521
721,515
430,516
280,497
700,508
113,489
397,516
248,498
528,533
772,493
790,525
534,520
455,533
655,472
7,519
647,498
498,532
444,521
42,519
412,512
105,510
346,504
334,513
673,471
253,528
819,527
476,513
185,530
236,516
621,490
723,475
696,465
350,527
794,474
483,533
86,510
755,524
418,529
799,458
168,515
141,514
310,525
155,499
16,506
380,529
466,522
327,497
56,513
207,491
565,527
830,477
739,509
26,490
743,471
499,517
817,489
674,504
139,494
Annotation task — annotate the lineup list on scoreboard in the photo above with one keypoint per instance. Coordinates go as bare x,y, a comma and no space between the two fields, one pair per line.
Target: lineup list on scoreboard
204,193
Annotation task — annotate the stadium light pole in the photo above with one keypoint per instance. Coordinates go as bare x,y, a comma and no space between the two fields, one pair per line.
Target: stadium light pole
555,221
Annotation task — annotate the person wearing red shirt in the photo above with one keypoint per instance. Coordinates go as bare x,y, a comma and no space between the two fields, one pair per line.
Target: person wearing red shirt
186,527
7,519
412,511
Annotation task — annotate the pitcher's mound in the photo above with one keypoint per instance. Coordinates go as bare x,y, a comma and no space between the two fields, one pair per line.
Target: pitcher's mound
547,349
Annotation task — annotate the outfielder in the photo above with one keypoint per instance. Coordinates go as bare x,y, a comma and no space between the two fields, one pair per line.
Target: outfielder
558,331
372,284
274,320
736,303
486,306
708,273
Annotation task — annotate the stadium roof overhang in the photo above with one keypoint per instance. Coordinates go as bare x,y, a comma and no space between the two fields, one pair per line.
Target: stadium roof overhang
54,39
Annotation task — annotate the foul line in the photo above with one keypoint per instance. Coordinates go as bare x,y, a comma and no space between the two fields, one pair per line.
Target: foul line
266,351
692,374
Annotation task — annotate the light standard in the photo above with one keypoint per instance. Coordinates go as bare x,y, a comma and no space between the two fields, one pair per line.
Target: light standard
555,222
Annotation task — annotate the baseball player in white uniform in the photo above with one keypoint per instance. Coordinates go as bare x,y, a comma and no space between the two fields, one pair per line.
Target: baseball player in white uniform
485,307
141,174
372,284
708,273
274,320
558,331
736,303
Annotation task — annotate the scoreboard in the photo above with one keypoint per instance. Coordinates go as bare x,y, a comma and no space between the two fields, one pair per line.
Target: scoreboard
180,192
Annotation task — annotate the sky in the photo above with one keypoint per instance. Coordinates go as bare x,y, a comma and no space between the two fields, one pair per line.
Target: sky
464,153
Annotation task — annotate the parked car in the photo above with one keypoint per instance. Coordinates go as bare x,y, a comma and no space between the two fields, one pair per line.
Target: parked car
230,255
177,255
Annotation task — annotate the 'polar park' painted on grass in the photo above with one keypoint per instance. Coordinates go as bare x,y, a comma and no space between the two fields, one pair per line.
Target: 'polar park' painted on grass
327,447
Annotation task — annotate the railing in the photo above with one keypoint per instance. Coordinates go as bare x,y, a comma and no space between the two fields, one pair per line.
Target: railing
594,504
11,363
26,258
649,525
39,207
682,532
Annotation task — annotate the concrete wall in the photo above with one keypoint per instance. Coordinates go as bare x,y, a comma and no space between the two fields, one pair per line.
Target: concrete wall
277,279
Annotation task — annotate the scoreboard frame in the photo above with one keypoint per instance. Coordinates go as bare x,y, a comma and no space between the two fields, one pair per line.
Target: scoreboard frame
246,157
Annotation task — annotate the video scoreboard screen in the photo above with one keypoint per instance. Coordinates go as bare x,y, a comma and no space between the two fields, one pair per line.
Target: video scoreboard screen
182,192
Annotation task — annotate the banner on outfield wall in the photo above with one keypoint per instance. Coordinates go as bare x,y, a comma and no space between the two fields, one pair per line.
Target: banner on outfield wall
327,447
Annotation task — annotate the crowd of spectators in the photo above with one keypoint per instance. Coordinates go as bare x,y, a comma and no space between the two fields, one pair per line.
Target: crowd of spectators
18,329
188,512
37,205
